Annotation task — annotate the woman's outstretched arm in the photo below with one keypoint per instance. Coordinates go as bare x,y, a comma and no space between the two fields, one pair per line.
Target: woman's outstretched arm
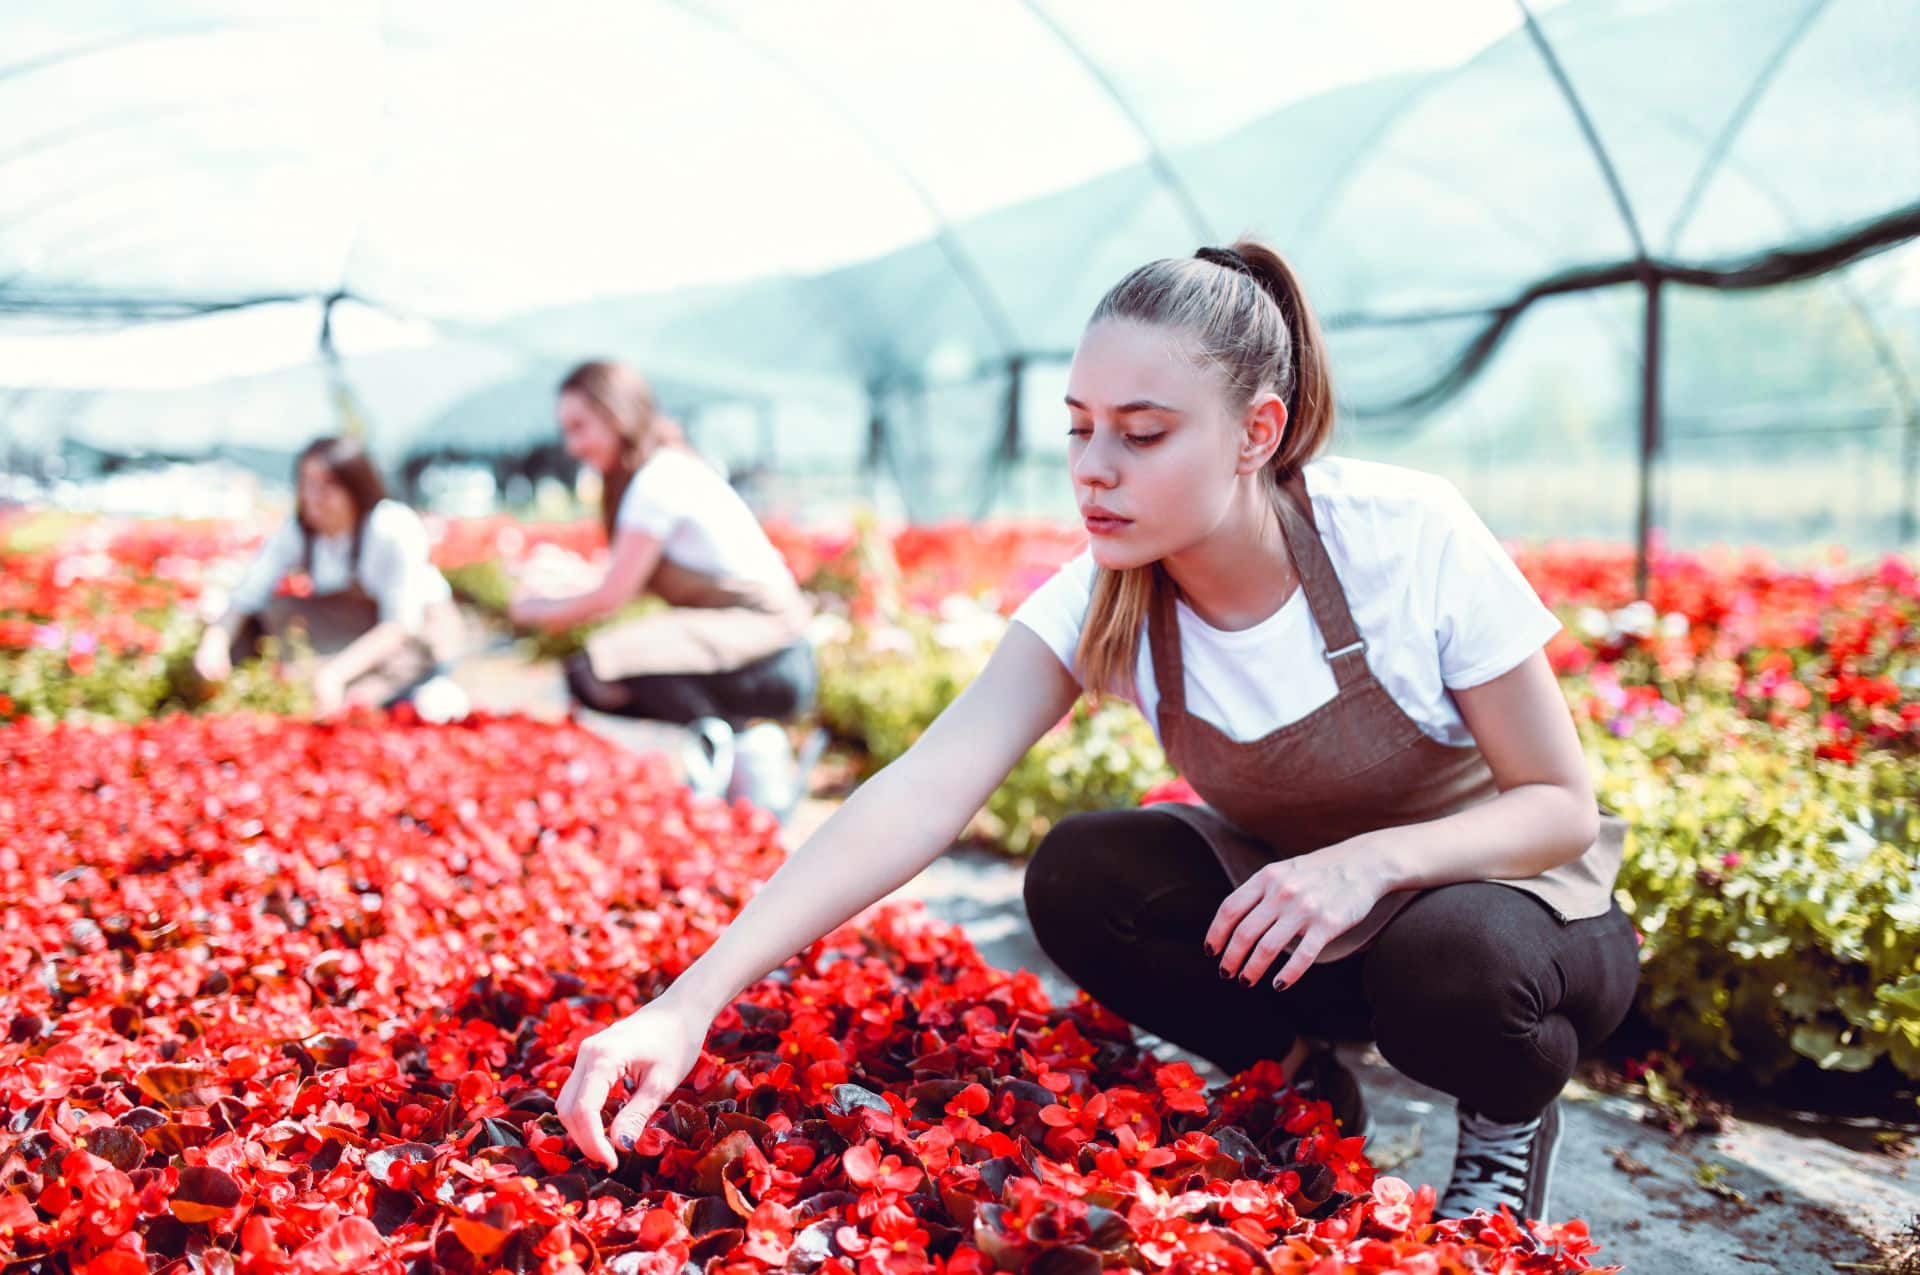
631,564
889,829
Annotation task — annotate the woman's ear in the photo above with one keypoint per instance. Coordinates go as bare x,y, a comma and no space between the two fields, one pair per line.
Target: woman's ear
1266,429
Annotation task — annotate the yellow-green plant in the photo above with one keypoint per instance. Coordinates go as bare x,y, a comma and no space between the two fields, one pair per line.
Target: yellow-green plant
1777,892
884,684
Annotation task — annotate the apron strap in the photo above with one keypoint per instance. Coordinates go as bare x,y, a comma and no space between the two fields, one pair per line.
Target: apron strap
1346,649
353,560
1163,640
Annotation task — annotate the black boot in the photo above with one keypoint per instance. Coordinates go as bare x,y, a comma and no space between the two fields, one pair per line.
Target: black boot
1496,1164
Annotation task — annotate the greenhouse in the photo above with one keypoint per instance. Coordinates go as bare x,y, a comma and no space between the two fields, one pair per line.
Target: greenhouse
1620,297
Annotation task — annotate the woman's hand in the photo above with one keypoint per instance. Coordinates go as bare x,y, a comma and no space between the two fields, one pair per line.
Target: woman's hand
1313,897
655,1047
329,691
213,660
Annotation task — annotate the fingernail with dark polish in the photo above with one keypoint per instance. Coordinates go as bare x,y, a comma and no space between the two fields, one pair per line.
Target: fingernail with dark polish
626,1142
1224,974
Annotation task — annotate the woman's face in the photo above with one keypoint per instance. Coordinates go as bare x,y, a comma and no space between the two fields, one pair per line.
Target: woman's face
326,504
588,434
1153,443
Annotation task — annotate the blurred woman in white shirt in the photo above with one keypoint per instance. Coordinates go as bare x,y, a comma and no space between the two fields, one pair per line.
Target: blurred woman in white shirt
376,613
731,646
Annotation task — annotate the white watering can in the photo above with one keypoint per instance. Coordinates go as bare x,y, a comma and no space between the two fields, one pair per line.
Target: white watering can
766,772
708,758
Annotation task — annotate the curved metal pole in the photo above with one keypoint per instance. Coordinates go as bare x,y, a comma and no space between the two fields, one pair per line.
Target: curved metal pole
1587,129
1650,441
346,403
138,309
998,321
1157,159
1756,270
1736,121
374,157
1876,334
1311,219
1007,450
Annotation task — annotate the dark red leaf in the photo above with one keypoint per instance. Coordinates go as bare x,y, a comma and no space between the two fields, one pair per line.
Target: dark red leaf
203,1194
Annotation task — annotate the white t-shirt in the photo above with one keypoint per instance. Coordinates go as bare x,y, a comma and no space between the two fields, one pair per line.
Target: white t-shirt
1441,605
396,565
699,520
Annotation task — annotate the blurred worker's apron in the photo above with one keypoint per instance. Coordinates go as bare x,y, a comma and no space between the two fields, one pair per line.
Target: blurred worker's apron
714,625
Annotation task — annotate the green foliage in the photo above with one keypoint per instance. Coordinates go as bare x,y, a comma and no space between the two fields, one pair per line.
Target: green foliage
1777,892
886,684
132,687
1098,759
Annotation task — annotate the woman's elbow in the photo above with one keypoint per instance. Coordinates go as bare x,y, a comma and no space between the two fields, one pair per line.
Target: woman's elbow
1582,820
613,593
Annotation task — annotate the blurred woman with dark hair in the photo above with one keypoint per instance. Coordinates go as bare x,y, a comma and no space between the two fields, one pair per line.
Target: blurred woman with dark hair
379,617
732,647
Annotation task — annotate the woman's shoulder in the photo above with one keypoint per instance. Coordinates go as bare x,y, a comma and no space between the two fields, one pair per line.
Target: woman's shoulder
1385,520
1348,483
677,462
674,475
392,519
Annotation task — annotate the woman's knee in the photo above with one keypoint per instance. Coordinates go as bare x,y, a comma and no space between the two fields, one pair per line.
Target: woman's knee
1122,874
587,688
1470,958
1056,878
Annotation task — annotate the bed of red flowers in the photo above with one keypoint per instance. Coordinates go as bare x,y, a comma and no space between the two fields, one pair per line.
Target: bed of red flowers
296,997
920,567
106,585
1836,647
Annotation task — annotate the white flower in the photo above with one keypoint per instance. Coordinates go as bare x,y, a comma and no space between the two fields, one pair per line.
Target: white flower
1592,622
974,631
1673,625
1637,618
957,606
891,637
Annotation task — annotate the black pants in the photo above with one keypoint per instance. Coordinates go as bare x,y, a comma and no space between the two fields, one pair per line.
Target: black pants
779,685
1476,989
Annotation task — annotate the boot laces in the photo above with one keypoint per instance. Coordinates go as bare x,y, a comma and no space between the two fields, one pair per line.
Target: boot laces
1490,1167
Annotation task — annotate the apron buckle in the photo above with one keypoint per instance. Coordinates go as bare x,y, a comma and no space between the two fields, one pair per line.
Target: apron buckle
1350,648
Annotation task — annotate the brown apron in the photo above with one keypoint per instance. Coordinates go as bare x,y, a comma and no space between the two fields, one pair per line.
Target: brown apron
333,621
715,625
1355,764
